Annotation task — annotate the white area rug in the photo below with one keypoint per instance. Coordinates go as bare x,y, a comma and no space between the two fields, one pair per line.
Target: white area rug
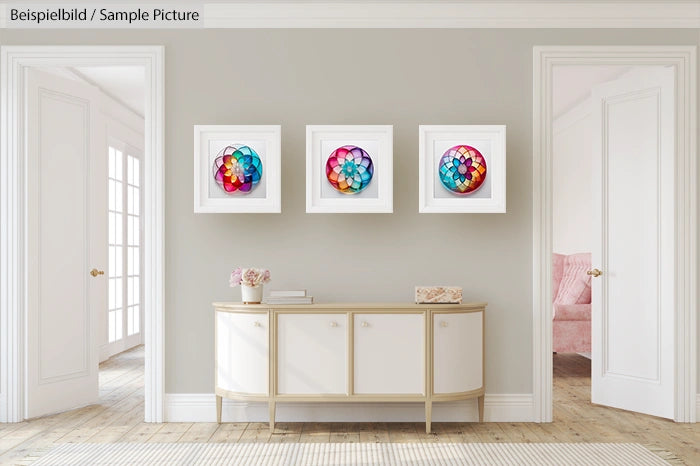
259,454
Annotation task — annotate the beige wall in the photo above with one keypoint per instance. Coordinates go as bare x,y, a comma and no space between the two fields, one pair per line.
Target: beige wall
399,77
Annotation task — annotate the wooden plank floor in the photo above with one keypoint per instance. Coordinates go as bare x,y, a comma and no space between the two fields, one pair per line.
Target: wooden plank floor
118,418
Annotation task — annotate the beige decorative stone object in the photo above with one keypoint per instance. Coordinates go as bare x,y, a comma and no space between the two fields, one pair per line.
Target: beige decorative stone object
439,294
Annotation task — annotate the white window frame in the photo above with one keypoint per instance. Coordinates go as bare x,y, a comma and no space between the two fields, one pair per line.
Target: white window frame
126,341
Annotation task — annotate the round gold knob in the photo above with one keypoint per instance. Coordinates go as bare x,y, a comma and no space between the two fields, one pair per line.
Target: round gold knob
334,324
95,272
594,273
443,324
365,324
256,324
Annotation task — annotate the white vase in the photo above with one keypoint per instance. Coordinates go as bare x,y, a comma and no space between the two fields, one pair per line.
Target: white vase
251,294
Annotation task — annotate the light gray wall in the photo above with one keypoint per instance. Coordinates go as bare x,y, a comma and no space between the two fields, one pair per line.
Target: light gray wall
399,77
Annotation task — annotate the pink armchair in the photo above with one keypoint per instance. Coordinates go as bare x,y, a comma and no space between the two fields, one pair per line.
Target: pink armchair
571,295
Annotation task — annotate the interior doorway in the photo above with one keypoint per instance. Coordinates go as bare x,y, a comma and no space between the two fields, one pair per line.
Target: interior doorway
141,219
572,229
642,102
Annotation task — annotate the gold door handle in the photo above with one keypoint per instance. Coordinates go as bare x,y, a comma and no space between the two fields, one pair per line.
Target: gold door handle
594,273
95,272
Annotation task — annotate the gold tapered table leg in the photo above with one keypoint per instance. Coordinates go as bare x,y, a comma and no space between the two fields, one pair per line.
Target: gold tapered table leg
272,416
428,415
481,408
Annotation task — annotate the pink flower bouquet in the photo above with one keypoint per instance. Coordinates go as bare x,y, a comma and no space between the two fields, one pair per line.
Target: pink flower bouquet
249,276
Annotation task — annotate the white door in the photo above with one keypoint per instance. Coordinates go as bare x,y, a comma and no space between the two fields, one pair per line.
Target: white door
389,355
67,227
312,353
633,217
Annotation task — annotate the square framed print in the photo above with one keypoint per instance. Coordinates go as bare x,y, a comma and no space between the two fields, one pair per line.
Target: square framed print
349,169
462,169
237,169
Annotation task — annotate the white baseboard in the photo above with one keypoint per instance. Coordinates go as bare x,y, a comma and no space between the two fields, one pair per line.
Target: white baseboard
697,408
201,407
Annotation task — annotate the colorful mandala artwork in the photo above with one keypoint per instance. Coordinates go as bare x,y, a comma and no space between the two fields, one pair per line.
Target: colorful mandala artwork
462,169
349,169
237,168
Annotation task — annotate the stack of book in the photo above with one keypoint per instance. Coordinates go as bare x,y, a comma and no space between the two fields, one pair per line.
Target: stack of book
289,297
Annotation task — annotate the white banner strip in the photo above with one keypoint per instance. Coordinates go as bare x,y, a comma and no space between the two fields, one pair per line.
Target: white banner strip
357,14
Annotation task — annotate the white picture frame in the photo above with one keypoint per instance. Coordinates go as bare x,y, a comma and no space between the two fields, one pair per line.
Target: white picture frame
377,141
489,140
209,196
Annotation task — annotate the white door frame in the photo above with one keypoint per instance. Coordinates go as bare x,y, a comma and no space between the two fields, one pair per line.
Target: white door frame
683,58
14,61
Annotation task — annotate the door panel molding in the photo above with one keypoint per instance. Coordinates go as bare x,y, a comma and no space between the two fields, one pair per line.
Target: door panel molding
683,59
14,60
608,105
84,106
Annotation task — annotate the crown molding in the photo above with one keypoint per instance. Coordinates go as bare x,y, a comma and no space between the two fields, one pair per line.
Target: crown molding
464,14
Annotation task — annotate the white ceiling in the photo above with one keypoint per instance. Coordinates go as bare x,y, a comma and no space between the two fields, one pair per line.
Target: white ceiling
124,83
572,84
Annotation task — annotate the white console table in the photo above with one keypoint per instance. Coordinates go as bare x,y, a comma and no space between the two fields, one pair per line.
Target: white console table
349,352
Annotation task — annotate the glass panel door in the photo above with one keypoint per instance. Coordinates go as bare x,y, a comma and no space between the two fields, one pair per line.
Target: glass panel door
124,242
133,261
116,245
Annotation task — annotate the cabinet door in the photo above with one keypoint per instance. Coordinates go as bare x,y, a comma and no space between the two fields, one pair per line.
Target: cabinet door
311,353
389,353
457,352
242,352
